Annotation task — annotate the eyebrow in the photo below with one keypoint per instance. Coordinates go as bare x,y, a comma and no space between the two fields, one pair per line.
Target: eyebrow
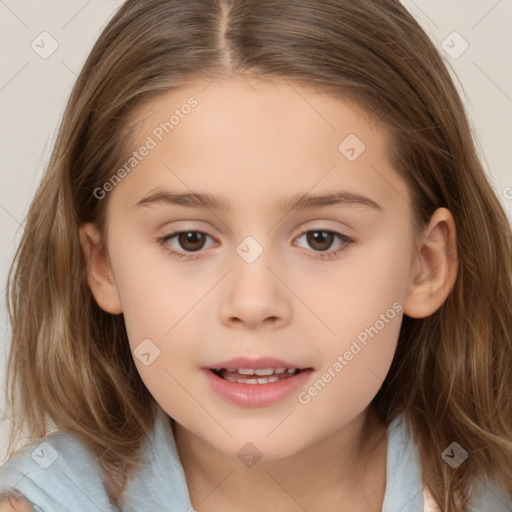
297,201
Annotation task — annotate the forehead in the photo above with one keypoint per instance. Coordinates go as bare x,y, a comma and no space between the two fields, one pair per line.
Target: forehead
232,137
229,104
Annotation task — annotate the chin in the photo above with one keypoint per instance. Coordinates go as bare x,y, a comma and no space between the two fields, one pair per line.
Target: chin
261,448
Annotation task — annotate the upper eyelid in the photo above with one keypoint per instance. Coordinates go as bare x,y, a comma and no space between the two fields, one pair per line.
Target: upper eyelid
345,230
206,232
340,234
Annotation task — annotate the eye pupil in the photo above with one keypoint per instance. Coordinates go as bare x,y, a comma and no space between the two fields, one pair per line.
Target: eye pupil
189,240
325,239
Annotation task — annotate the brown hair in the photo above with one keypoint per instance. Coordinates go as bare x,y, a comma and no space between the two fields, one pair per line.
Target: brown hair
451,377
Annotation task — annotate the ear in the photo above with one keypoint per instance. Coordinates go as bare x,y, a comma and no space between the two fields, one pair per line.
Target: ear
99,272
435,266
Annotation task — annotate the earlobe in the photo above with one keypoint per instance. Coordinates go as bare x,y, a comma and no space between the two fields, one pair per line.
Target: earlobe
99,274
435,268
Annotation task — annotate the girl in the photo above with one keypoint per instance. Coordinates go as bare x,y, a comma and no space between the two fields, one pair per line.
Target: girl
264,270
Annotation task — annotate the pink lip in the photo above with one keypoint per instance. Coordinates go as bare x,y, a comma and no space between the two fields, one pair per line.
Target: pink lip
256,395
258,363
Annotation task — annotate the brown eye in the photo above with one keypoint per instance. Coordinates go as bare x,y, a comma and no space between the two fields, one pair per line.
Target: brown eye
191,240
320,240
185,244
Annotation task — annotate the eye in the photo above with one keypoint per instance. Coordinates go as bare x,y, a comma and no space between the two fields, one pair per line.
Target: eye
191,241
321,240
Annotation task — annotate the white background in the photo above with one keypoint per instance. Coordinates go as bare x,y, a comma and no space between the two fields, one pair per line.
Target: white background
33,92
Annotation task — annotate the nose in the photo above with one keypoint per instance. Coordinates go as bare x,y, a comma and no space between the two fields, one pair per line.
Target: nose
254,295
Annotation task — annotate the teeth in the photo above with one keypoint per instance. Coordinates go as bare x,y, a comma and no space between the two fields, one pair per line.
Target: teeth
246,371
252,381
260,371
264,371
264,375
266,381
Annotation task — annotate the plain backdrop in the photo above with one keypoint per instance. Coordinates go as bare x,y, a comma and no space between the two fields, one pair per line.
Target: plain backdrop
34,90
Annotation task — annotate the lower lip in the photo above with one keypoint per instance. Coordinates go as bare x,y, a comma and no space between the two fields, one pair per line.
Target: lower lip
256,395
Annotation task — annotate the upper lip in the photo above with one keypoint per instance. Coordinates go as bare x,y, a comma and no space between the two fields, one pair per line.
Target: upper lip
258,363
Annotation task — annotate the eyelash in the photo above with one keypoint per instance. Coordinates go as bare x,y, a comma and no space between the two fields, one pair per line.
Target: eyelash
323,255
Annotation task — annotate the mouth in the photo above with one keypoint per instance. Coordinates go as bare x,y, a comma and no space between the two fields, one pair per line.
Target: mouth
256,383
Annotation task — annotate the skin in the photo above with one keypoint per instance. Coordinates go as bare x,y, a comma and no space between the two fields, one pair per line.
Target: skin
255,143
15,505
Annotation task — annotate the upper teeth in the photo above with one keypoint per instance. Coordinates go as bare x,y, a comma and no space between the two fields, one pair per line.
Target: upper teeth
260,371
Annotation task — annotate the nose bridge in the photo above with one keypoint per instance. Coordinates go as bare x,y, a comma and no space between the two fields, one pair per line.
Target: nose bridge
250,249
255,293
252,263
255,239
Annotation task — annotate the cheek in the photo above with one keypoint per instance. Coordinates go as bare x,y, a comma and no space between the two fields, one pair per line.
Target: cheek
161,303
155,290
361,308
370,280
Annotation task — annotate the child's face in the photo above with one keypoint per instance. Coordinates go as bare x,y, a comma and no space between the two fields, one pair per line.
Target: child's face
255,146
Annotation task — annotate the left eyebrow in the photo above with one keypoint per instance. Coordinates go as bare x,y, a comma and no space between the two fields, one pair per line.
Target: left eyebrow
298,201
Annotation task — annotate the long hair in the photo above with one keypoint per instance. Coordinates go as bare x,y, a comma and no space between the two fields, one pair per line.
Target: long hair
70,365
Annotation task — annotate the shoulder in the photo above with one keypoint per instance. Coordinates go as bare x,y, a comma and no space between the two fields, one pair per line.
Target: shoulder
488,496
405,489
12,504
57,472
403,471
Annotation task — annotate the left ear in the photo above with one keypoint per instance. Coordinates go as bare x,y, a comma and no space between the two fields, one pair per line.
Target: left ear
435,267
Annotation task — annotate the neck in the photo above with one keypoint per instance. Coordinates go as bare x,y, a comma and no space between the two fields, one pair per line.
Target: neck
348,466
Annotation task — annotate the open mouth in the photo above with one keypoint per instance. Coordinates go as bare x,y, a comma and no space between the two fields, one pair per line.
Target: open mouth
256,376
256,387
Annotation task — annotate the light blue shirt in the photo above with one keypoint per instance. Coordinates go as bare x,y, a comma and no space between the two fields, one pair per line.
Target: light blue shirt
59,474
